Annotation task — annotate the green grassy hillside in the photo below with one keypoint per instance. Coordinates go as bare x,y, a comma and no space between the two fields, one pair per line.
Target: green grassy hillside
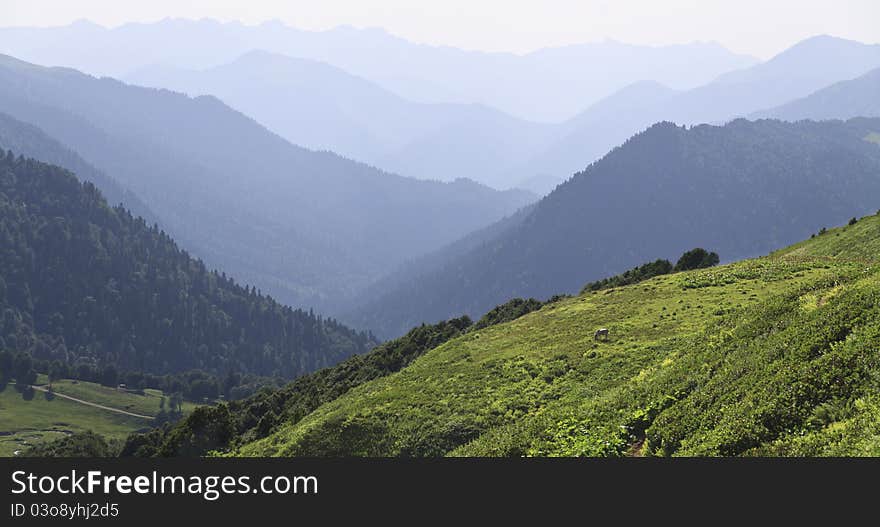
775,355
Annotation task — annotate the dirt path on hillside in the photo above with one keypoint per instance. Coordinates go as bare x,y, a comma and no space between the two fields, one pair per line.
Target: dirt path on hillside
87,403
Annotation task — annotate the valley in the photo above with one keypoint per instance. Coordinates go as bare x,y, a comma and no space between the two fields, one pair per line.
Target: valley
224,239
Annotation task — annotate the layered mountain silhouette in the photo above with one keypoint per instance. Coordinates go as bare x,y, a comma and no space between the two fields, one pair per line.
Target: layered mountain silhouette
310,227
858,97
318,106
801,70
740,189
546,85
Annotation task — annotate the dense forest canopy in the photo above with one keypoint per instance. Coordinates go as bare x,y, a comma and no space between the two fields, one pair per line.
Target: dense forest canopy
84,283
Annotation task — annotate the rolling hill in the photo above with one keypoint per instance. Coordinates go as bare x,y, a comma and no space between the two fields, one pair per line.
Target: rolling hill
309,227
740,189
775,356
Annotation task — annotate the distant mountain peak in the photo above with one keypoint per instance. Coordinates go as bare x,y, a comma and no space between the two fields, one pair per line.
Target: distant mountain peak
819,43
84,23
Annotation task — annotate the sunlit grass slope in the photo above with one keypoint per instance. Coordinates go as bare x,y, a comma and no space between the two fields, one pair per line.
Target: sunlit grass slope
772,356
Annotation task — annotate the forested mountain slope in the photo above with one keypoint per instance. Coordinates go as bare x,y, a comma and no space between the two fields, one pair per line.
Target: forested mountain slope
29,141
741,189
84,283
309,227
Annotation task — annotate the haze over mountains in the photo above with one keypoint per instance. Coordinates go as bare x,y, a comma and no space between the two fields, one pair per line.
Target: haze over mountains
29,141
451,203
322,107
806,67
546,85
310,227
319,106
741,190
320,230
842,100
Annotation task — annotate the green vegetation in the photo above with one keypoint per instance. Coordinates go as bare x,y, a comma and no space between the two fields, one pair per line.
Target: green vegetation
36,417
775,355
506,312
29,418
101,293
696,259
238,422
78,444
859,241
632,276
143,402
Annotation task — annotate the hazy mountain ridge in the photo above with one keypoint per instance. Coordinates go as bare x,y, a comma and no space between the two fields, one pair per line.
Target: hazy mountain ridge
546,85
739,189
859,97
315,104
30,141
799,71
311,227
319,106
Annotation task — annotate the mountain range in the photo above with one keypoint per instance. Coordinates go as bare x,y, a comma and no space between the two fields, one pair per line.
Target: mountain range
546,85
311,227
320,106
807,67
591,250
740,189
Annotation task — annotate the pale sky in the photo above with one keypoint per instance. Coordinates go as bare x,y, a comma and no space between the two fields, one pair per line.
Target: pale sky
757,27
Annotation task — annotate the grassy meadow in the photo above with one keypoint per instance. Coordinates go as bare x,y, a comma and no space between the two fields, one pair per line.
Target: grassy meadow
27,420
